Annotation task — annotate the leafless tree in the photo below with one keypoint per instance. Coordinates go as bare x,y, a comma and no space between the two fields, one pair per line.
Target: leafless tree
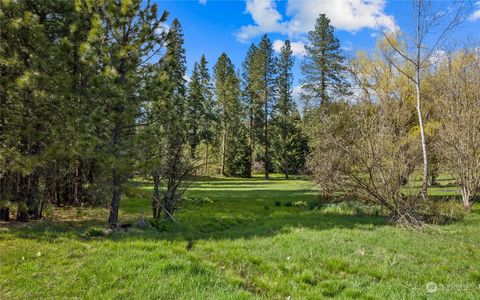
433,22
366,151
456,86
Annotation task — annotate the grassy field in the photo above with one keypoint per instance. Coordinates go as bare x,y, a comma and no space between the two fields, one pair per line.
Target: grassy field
233,242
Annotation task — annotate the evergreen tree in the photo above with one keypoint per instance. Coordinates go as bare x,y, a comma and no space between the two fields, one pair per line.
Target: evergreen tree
323,66
250,99
264,83
122,38
234,152
208,121
33,85
285,105
169,105
195,102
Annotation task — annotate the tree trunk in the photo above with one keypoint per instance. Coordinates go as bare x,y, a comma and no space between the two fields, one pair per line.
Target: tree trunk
33,203
266,162
424,191
466,198
4,214
75,188
4,211
224,141
20,197
156,195
116,180
115,203
250,139
206,159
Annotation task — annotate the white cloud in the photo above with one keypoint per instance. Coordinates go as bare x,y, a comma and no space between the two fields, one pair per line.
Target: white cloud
298,48
349,15
202,2
266,17
476,14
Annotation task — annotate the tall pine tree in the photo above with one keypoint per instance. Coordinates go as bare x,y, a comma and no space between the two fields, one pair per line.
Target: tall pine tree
208,120
285,105
170,114
122,39
234,152
323,66
264,84
250,99
195,108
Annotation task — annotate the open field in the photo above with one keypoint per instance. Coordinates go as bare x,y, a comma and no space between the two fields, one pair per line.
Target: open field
234,242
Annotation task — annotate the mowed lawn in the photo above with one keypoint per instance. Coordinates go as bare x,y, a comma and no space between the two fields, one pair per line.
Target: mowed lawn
233,242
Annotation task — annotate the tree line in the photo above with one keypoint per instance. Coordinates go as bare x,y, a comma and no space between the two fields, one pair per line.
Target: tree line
94,92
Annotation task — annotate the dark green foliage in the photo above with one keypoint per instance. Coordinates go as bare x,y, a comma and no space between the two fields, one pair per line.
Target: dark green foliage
168,128
250,100
263,84
234,151
289,143
323,66
194,110
201,117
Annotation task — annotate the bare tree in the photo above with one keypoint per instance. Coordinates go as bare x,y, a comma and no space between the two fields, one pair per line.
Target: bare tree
365,151
433,23
457,102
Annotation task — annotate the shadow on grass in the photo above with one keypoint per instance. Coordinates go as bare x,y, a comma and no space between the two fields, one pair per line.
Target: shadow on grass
221,228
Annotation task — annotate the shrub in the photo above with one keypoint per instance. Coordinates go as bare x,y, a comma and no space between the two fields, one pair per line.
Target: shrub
288,203
366,151
160,225
442,212
95,232
278,203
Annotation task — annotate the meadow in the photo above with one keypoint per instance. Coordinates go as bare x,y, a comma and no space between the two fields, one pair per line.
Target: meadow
240,239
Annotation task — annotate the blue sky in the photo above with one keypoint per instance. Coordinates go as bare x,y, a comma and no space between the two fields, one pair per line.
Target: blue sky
212,27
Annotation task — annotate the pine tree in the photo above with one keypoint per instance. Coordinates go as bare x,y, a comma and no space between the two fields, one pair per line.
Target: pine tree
201,109
264,83
323,66
250,99
123,37
33,98
285,105
234,152
208,121
170,113
195,107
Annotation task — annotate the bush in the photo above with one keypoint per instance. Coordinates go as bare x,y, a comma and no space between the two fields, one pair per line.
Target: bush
288,203
160,225
95,232
278,203
442,212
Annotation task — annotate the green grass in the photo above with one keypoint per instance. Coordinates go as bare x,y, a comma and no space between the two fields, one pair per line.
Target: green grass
244,247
